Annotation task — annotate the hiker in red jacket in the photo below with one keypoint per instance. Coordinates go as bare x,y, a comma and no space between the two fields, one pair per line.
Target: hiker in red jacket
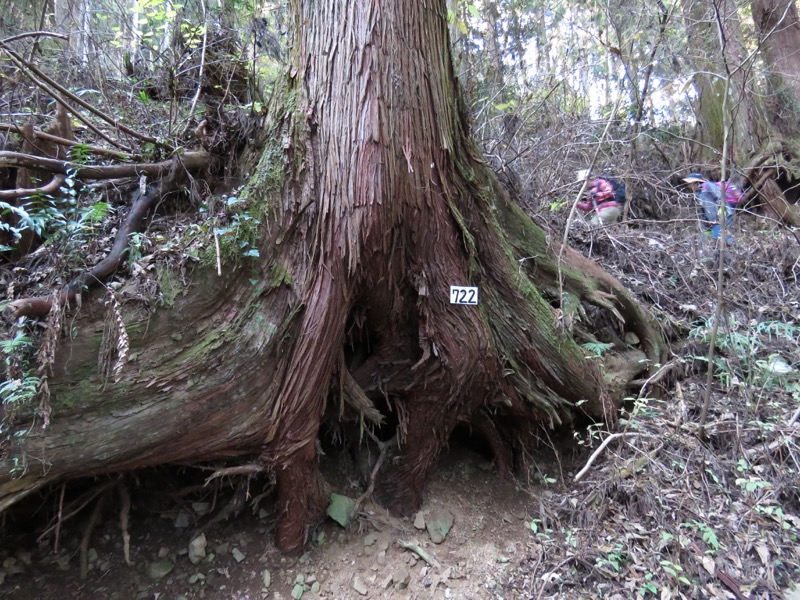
604,200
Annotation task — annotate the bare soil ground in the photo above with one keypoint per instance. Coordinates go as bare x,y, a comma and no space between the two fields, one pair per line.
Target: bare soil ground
490,534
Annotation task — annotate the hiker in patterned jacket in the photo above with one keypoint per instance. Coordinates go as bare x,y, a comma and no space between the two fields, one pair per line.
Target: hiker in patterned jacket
710,196
604,200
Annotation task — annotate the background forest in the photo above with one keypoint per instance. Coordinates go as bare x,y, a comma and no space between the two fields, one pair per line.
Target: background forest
695,495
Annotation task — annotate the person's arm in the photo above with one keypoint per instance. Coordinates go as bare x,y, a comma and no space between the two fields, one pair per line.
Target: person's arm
710,193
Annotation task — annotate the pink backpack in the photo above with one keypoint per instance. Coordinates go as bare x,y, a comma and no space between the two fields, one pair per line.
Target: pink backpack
733,194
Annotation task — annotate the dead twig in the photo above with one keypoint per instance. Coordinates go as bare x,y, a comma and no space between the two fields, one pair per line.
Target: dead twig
553,572
794,418
602,447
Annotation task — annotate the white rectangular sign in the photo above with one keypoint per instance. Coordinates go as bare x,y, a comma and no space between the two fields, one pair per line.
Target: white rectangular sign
462,294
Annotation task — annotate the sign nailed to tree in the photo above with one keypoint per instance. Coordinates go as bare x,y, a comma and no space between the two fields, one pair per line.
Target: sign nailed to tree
461,294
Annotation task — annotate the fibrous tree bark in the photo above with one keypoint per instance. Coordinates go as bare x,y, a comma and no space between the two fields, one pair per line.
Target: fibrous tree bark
374,201
778,29
723,81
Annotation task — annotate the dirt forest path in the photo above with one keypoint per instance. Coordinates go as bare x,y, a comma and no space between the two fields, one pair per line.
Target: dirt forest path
490,533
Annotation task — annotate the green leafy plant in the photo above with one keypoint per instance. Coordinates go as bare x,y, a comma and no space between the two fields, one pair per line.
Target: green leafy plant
596,348
675,570
239,236
708,534
752,484
24,221
648,587
62,219
79,153
613,560
19,389
744,348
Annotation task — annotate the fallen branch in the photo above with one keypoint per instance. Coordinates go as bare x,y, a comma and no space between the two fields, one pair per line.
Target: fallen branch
769,448
30,70
40,306
65,142
416,549
191,161
36,34
48,189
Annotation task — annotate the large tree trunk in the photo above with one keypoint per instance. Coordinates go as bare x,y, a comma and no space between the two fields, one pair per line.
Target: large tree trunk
778,29
375,202
723,81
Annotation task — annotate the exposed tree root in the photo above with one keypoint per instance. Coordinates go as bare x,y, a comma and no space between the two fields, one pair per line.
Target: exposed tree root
762,173
383,450
303,496
124,514
234,506
97,511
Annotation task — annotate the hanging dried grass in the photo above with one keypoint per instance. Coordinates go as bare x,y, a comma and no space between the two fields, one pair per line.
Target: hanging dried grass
115,344
46,356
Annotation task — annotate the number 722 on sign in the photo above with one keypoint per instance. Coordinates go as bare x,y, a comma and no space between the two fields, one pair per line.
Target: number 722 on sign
461,294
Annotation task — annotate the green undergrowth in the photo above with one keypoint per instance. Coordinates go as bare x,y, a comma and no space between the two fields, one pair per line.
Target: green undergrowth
661,510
